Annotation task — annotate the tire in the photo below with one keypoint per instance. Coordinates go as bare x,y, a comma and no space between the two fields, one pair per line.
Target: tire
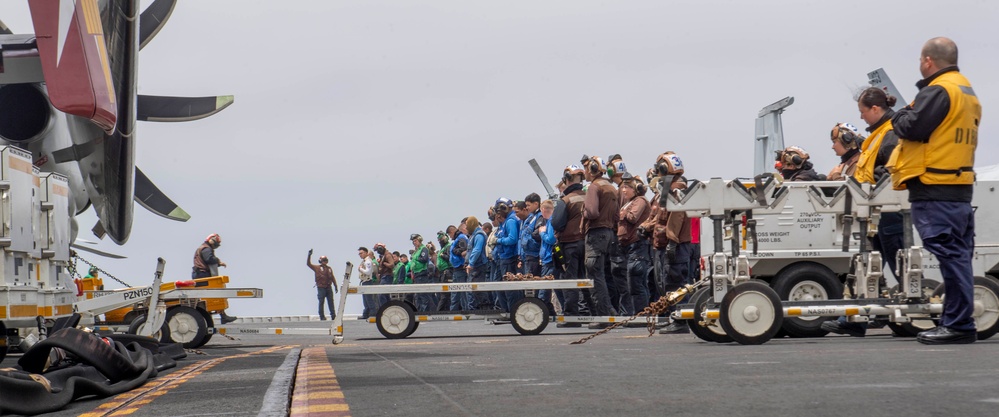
751,313
139,323
396,320
806,282
920,322
706,333
210,331
184,325
986,305
530,316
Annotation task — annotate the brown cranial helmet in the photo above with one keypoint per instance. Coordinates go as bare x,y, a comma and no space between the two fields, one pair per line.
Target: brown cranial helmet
668,163
791,158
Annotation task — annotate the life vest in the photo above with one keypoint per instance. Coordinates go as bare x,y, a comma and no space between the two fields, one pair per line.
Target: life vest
199,264
869,153
949,156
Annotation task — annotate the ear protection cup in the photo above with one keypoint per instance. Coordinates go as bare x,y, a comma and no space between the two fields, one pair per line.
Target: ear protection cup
796,160
593,167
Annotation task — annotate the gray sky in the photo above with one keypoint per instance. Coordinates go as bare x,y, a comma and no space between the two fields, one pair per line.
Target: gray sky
364,121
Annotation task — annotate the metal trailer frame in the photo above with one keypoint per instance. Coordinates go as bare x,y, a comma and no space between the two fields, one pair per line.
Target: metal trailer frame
398,318
184,323
750,312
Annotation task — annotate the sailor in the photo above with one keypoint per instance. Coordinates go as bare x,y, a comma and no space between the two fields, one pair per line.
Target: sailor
567,220
530,240
793,165
386,264
875,108
934,160
600,209
670,233
206,264
477,266
846,142
507,237
367,272
325,284
635,210
456,253
419,267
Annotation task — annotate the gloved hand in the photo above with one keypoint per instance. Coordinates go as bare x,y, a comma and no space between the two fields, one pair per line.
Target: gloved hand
310,252
671,251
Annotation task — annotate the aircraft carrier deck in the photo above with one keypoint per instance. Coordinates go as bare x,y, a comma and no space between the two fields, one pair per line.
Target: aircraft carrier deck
479,369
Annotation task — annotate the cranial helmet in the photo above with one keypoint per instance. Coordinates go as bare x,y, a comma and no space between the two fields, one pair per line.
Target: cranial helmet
669,163
214,239
791,158
616,168
847,134
571,170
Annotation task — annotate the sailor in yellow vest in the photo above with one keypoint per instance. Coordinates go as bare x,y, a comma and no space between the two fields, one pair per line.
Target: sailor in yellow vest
876,109
934,160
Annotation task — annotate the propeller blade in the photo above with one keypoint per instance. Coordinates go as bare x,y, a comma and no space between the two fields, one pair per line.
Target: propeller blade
179,109
150,197
544,178
96,251
153,19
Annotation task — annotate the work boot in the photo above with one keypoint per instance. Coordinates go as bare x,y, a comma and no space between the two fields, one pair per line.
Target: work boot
843,327
676,327
598,326
946,336
227,318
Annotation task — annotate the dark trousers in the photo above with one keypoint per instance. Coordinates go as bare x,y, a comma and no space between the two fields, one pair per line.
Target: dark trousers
326,293
532,265
425,302
496,275
460,300
482,299
598,248
510,266
574,269
638,274
947,229
618,285
370,301
384,298
695,262
889,240
546,295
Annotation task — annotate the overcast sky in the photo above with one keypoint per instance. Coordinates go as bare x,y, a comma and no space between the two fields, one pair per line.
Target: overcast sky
358,122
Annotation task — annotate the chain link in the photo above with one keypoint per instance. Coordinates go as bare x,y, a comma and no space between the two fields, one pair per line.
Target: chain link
76,273
652,311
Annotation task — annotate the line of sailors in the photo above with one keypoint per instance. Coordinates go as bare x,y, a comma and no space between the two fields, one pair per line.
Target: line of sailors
601,227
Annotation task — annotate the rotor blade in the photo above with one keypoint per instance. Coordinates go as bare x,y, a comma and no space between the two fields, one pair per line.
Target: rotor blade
4,30
179,109
544,179
150,197
96,251
153,19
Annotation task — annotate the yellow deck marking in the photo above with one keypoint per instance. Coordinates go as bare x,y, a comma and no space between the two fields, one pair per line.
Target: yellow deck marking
317,391
130,402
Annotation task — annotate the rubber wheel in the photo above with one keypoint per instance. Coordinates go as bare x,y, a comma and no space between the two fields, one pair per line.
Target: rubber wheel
707,333
986,305
184,325
140,323
920,322
530,316
806,282
751,313
3,341
396,319
211,326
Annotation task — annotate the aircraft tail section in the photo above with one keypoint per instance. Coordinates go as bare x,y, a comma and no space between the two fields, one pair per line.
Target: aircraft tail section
75,60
